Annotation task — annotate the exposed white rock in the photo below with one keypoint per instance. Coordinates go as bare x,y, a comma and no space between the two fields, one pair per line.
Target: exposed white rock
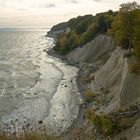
109,78
93,51
114,80
119,86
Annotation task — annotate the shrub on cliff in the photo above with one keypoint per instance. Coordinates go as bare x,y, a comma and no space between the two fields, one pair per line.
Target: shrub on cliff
109,125
103,124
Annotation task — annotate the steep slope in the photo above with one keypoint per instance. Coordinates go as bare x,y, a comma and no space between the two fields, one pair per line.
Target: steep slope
130,92
93,52
114,82
109,80
117,83
119,86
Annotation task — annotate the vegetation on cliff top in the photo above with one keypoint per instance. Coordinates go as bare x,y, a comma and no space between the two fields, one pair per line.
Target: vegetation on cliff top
83,29
123,26
126,27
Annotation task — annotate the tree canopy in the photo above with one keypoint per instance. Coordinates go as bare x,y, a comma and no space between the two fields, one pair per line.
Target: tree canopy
123,26
126,26
83,29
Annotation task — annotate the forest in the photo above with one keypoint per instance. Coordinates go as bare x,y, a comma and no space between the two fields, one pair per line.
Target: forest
123,26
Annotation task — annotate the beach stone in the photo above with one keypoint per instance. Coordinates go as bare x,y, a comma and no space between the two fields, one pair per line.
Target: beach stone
40,122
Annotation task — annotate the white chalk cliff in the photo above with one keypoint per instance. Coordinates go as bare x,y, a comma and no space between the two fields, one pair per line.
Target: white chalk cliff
113,78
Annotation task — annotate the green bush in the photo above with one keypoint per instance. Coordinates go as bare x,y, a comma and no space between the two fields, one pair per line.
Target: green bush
102,123
109,125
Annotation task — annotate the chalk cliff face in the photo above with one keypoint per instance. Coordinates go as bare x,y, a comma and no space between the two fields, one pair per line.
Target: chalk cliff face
93,52
113,79
130,92
109,79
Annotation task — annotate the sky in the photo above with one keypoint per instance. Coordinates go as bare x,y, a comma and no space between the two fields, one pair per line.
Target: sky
46,13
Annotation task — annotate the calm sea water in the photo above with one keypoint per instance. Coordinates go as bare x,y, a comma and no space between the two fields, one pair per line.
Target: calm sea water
35,88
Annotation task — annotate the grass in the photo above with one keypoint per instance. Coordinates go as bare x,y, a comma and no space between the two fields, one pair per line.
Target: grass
33,136
103,124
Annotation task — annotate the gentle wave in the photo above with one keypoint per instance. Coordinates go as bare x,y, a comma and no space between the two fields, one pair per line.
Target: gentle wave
37,90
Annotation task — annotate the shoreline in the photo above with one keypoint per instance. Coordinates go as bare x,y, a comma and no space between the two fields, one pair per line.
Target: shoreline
64,104
76,124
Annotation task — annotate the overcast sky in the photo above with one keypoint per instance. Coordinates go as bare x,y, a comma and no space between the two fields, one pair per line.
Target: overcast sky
45,13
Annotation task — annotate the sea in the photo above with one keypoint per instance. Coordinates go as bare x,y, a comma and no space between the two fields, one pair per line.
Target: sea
38,92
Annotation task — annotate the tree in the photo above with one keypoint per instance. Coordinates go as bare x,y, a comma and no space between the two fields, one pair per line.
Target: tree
129,7
136,36
73,40
127,17
123,27
83,29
